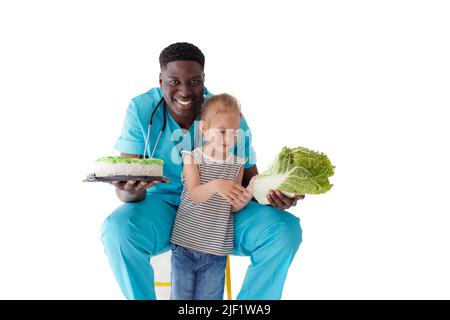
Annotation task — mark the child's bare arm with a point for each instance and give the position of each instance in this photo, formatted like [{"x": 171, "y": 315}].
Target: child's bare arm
[
  {"x": 198, "y": 192},
  {"x": 233, "y": 192}
]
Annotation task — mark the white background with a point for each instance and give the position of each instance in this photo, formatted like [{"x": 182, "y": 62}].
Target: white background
[{"x": 366, "y": 82}]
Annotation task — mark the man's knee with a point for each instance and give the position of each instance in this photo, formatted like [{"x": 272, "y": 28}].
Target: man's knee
[
  {"x": 115, "y": 226},
  {"x": 293, "y": 231},
  {"x": 285, "y": 230},
  {"x": 120, "y": 228}
]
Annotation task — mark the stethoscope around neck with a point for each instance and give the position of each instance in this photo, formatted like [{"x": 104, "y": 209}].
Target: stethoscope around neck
[{"x": 147, "y": 139}]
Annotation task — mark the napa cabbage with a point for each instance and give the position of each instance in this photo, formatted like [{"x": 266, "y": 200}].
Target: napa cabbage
[{"x": 295, "y": 171}]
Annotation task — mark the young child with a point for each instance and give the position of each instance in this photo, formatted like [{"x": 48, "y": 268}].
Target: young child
[{"x": 202, "y": 235}]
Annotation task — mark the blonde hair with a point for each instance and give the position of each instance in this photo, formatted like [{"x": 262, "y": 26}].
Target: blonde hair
[{"x": 219, "y": 104}]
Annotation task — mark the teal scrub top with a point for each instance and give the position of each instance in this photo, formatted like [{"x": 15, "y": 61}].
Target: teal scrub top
[{"x": 171, "y": 142}]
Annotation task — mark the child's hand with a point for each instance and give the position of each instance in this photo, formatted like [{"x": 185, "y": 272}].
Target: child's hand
[
  {"x": 234, "y": 193},
  {"x": 248, "y": 197}
]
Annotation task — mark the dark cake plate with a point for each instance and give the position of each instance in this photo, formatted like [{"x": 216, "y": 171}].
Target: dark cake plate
[{"x": 93, "y": 178}]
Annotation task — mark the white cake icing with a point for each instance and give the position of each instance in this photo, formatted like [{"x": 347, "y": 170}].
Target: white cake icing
[
  {"x": 119, "y": 166},
  {"x": 103, "y": 169}
]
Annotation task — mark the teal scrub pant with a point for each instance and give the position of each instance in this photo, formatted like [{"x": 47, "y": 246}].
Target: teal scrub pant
[{"x": 135, "y": 232}]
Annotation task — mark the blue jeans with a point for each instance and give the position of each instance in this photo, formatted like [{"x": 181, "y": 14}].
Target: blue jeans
[{"x": 196, "y": 275}]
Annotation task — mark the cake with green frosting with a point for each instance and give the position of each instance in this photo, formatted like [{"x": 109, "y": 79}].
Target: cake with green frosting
[{"x": 122, "y": 166}]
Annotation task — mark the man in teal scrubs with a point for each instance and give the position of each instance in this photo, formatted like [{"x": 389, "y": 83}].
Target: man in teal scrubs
[{"x": 141, "y": 227}]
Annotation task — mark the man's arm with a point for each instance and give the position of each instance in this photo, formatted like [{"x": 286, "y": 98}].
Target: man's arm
[
  {"x": 248, "y": 174},
  {"x": 246, "y": 197}
]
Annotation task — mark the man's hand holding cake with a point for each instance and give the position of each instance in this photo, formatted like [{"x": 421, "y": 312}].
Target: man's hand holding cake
[{"x": 133, "y": 191}]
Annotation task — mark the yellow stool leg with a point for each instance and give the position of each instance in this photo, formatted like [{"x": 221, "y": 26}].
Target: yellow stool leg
[
  {"x": 162, "y": 284},
  {"x": 228, "y": 278}
]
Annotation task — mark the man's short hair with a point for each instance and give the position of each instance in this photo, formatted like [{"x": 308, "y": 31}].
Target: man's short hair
[{"x": 181, "y": 51}]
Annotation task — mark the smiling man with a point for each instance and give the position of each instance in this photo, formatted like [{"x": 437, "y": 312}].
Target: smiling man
[
  {"x": 182, "y": 86},
  {"x": 141, "y": 227}
]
